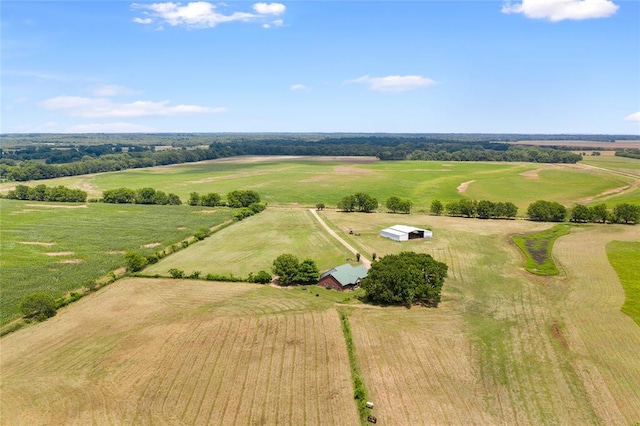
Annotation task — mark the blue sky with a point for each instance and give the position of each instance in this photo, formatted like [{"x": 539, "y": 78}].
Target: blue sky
[{"x": 535, "y": 66}]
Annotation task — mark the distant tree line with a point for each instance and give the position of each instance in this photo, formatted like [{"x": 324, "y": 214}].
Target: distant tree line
[
  {"x": 500, "y": 153},
  {"x": 41, "y": 192},
  {"x": 105, "y": 159}
]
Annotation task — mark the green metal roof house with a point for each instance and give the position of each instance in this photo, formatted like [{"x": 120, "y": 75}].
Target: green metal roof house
[{"x": 343, "y": 277}]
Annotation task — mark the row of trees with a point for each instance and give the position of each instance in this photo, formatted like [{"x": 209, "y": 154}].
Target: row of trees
[
  {"x": 139, "y": 196},
  {"x": 483, "y": 209},
  {"x": 550, "y": 211},
  {"x": 235, "y": 199},
  {"x": 512, "y": 153},
  {"x": 360, "y": 202},
  {"x": 622, "y": 213},
  {"x": 41, "y": 192},
  {"x": 291, "y": 271}
]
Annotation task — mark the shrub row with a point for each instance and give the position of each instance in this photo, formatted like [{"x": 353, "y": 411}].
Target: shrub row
[
  {"x": 483, "y": 209},
  {"x": 60, "y": 194},
  {"x": 139, "y": 196}
]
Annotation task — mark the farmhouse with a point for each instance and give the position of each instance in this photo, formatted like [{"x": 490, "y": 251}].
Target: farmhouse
[
  {"x": 404, "y": 233},
  {"x": 344, "y": 277}
]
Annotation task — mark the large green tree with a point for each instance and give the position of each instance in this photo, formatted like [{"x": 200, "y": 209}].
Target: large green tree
[
  {"x": 407, "y": 278},
  {"x": 38, "y": 305},
  {"x": 285, "y": 267}
]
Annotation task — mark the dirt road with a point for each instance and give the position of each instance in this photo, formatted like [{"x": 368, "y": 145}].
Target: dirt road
[{"x": 366, "y": 262}]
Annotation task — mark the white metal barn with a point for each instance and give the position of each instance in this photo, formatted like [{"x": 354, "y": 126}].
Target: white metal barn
[{"x": 404, "y": 233}]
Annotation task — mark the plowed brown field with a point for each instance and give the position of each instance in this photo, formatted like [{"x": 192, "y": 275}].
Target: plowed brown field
[{"x": 179, "y": 352}]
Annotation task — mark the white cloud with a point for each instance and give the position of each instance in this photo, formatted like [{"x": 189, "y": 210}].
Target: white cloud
[
  {"x": 100, "y": 107},
  {"x": 394, "y": 83},
  {"x": 144, "y": 21},
  {"x": 20, "y": 100},
  {"x": 202, "y": 14},
  {"x": 269, "y": 8},
  {"x": 558, "y": 10},
  {"x": 110, "y": 90},
  {"x": 109, "y": 128},
  {"x": 633, "y": 117},
  {"x": 295, "y": 87}
]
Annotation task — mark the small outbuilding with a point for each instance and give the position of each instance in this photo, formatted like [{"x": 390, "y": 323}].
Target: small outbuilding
[
  {"x": 344, "y": 277},
  {"x": 404, "y": 233}
]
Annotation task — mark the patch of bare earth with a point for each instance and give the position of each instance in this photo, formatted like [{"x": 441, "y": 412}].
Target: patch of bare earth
[
  {"x": 151, "y": 245},
  {"x": 463, "y": 186},
  {"x": 59, "y": 253},
  {"x": 531, "y": 174},
  {"x": 344, "y": 170},
  {"x": 37, "y": 243},
  {"x": 606, "y": 193},
  {"x": 70, "y": 261},
  {"x": 58, "y": 206}
]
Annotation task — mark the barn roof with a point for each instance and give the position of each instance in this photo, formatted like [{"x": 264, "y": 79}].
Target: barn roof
[
  {"x": 347, "y": 274},
  {"x": 403, "y": 229}
]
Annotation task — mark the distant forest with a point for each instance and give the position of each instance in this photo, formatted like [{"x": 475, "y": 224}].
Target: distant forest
[{"x": 33, "y": 157}]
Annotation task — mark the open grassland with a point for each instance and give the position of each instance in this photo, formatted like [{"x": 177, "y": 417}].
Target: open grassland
[
  {"x": 56, "y": 248},
  {"x": 151, "y": 352},
  {"x": 305, "y": 181},
  {"x": 253, "y": 244},
  {"x": 625, "y": 259}
]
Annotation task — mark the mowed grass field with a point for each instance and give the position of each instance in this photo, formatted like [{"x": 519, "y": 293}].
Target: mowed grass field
[
  {"x": 252, "y": 246},
  {"x": 149, "y": 352},
  {"x": 305, "y": 181},
  {"x": 58, "y": 247}
]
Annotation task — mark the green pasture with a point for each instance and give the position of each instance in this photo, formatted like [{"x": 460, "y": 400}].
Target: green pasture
[
  {"x": 253, "y": 244},
  {"x": 625, "y": 258},
  {"x": 307, "y": 181},
  {"x": 84, "y": 242},
  {"x": 626, "y": 166}
]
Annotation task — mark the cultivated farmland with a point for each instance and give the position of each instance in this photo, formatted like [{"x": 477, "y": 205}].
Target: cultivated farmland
[
  {"x": 57, "y": 248},
  {"x": 181, "y": 352}
]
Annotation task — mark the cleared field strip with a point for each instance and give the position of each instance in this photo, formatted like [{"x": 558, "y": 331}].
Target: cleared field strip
[{"x": 163, "y": 352}]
